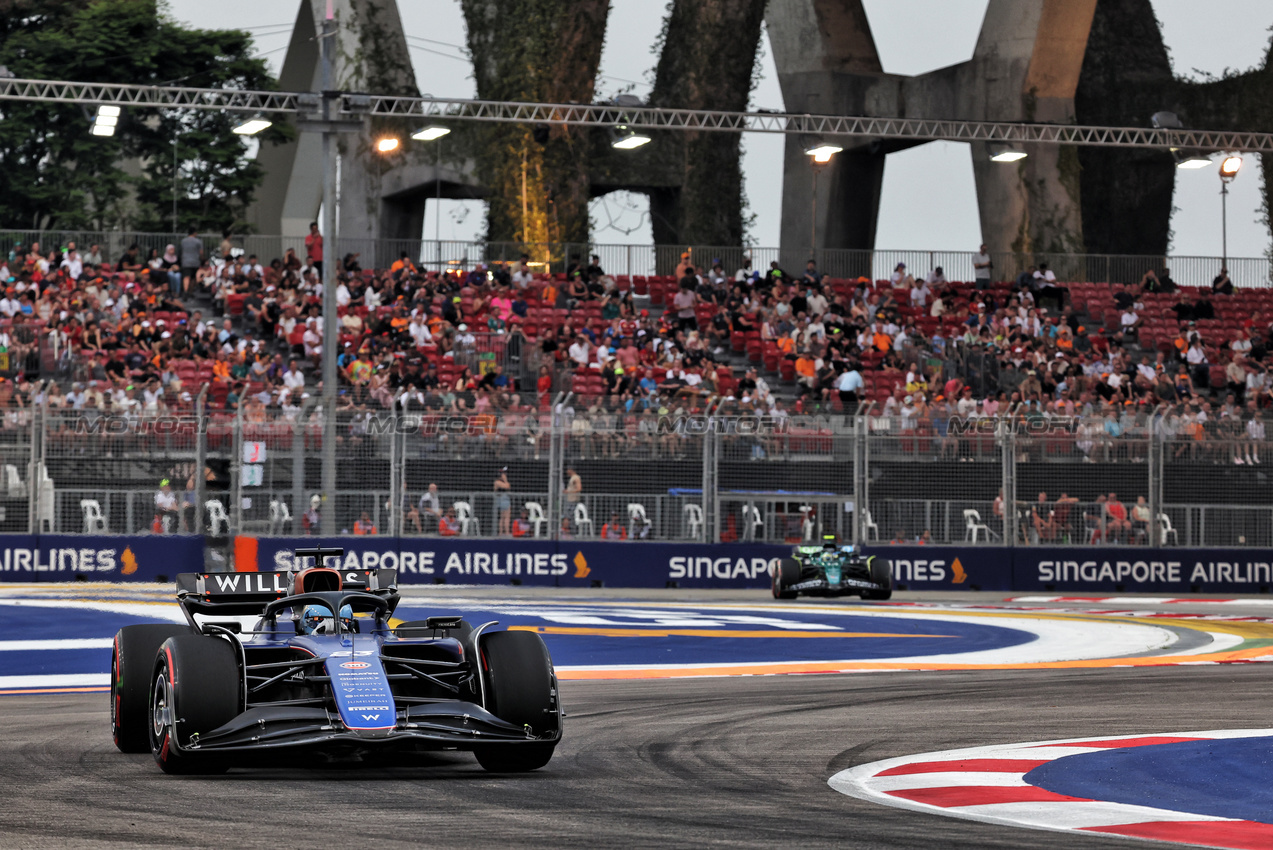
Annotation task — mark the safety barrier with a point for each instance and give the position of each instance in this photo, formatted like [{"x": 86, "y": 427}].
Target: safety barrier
[
  {"x": 1107, "y": 569},
  {"x": 573, "y": 563}
]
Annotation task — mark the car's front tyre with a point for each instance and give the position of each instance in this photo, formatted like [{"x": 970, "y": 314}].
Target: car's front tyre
[
  {"x": 194, "y": 690},
  {"x": 521, "y": 688},
  {"x": 786, "y": 574}
]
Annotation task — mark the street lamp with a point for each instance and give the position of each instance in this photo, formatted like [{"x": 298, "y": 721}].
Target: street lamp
[
  {"x": 253, "y": 125},
  {"x": 624, "y": 138},
  {"x": 105, "y": 121},
  {"x": 430, "y": 133},
  {"x": 1229, "y": 168},
  {"x": 821, "y": 153},
  {"x": 387, "y": 145},
  {"x": 433, "y": 133},
  {"x": 1007, "y": 155}
]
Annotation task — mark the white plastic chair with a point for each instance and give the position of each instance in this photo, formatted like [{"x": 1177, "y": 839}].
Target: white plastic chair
[
  {"x": 693, "y": 516},
  {"x": 217, "y": 517},
  {"x": 806, "y": 523},
  {"x": 638, "y": 523},
  {"x": 1164, "y": 524},
  {"x": 582, "y": 519},
  {"x": 752, "y": 520},
  {"x": 468, "y": 522},
  {"x": 12, "y": 483},
  {"x": 973, "y": 526},
  {"x": 280, "y": 516},
  {"x": 536, "y": 517},
  {"x": 870, "y": 530},
  {"x": 45, "y": 518},
  {"x": 94, "y": 521}
]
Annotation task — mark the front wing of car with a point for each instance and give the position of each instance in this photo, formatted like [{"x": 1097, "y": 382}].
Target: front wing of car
[{"x": 441, "y": 724}]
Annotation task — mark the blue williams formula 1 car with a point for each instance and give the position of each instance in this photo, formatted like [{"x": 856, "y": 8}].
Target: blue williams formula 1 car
[
  {"x": 312, "y": 675},
  {"x": 831, "y": 570}
]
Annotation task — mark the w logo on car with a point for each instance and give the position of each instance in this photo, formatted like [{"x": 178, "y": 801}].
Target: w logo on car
[
  {"x": 371, "y": 717},
  {"x": 355, "y": 665}
]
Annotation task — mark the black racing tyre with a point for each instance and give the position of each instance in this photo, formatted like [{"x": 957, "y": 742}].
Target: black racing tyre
[
  {"x": 521, "y": 689},
  {"x": 882, "y": 574},
  {"x": 132, "y": 662},
  {"x": 786, "y": 574},
  {"x": 195, "y": 688}
]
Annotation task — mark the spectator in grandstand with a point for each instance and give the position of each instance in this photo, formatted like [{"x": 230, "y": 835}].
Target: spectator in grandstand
[
  {"x": 521, "y": 525},
  {"x": 1222, "y": 284},
  {"x": 572, "y": 490},
  {"x": 448, "y": 525},
  {"x": 982, "y": 267},
  {"x": 314, "y": 248},
  {"x": 1117, "y": 525},
  {"x": 613, "y": 529},
  {"x": 1043, "y": 521},
  {"x": 503, "y": 503},
  {"x": 1140, "y": 520},
  {"x": 166, "y": 516},
  {"x": 192, "y": 257}
]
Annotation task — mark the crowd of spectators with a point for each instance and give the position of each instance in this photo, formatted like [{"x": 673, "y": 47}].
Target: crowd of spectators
[{"x": 143, "y": 331}]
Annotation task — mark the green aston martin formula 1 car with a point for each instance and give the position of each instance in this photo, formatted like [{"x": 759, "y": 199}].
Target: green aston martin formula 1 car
[{"x": 832, "y": 570}]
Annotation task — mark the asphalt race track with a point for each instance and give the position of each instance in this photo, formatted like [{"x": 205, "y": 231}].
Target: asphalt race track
[{"x": 679, "y": 762}]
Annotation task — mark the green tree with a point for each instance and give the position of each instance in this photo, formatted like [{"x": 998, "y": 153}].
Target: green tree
[{"x": 55, "y": 174}]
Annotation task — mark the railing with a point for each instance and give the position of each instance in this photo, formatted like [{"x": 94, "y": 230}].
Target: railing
[
  {"x": 663, "y": 259},
  {"x": 594, "y": 470}
]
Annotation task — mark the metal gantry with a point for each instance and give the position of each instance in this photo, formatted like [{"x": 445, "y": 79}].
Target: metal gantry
[{"x": 637, "y": 117}]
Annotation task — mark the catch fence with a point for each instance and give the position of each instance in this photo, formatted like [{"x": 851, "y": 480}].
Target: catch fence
[{"x": 599, "y": 468}]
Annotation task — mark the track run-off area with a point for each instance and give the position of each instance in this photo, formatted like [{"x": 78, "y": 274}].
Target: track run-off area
[{"x": 686, "y": 725}]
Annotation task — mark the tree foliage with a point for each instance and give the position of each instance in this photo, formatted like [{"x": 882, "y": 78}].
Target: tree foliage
[
  {"x": 54, "y": 173},
  {"x": 543, "y": 51}
]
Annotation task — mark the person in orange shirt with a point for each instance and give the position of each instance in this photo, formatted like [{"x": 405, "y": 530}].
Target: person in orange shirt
[
  {"x": 364, "y": 525},
  {"x": 448, "y": 525},
  {"x": 521, "y": 525},
  {"x": 614, "y": 530},
  {"x": 403, "y": 262},
  {"x": 786, "y": 344},
  {"x": 882, "y": 341},
  {"x": 549, "y": 294}
]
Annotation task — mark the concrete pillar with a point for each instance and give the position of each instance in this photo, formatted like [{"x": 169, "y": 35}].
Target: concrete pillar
[{"x": 1025, "y": 68}]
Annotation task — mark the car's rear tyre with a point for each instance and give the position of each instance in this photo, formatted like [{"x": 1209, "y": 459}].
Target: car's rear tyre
[
  {"x": 132, "y": 662},
  {"x": 195, "y": 689},
  {"x": 521, "y": 689},
  {"x": 786, "y": 574},
  {"x": 882, "y": 574}
]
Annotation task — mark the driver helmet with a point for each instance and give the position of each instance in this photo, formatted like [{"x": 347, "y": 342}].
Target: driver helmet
[
  {"x": 828, "y": 542},
  {"x": 317, "y": 620}
]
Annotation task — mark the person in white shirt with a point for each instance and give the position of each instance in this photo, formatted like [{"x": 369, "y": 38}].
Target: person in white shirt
[
  {"x": 1043, "y": 274},
  {"x": 419, "y": 330},
  {"x": 579, "y": 351},
  {"x": 293, "y": 378},
  {"x": 342, "y": 295},
  {"x": 371, "y": 298},
  {"x": 919, "y": 294},
  {"x": 817, "y": 303},
  {"x": 523, "y": 277},
  {"x": 10, "y": 306},
  {"x": 73, "y": 265}
]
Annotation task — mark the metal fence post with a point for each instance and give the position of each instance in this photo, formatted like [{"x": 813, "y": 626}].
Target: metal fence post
[
  {"x": 1008, "y": 451},
  {"x": 201, "y": 456},
  {"x": 554, "y": 466},
  {"x": 395, "y": 466},
  {"x": 35, "y": 470},
  {"x": 862, "y": 481},
  {"x": 236, "y": 475},
  {"x": 1155, "y": 471},
  {"x": 299, "y": 505}
]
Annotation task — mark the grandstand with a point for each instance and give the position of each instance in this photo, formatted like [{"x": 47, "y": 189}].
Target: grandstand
[{"x": 902, "y": 385}]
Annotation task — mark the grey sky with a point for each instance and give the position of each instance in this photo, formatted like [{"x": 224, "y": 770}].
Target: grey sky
[{"x": 928, "y": 201}]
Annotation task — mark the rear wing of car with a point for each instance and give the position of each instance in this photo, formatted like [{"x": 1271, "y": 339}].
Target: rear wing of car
[{"x": 248, "y": 593}]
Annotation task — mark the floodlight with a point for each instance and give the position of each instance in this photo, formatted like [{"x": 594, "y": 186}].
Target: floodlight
[
  {"x": 107, "y": 112},
  {"x": 105, "y": 121},
  {"x": 823, "y": 152},
  {"x": 1197, "y": 161},
  {"x": 252, "y": 126},
  {"x": 625, "y": 138},
  {"x": 1008, "y": 155},
  {"x": 387, "y": 145},
  {"x": 102, "y": 130},
  {"x": 1229, "y": 167},
  {"x": 430, "y": 133}
]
